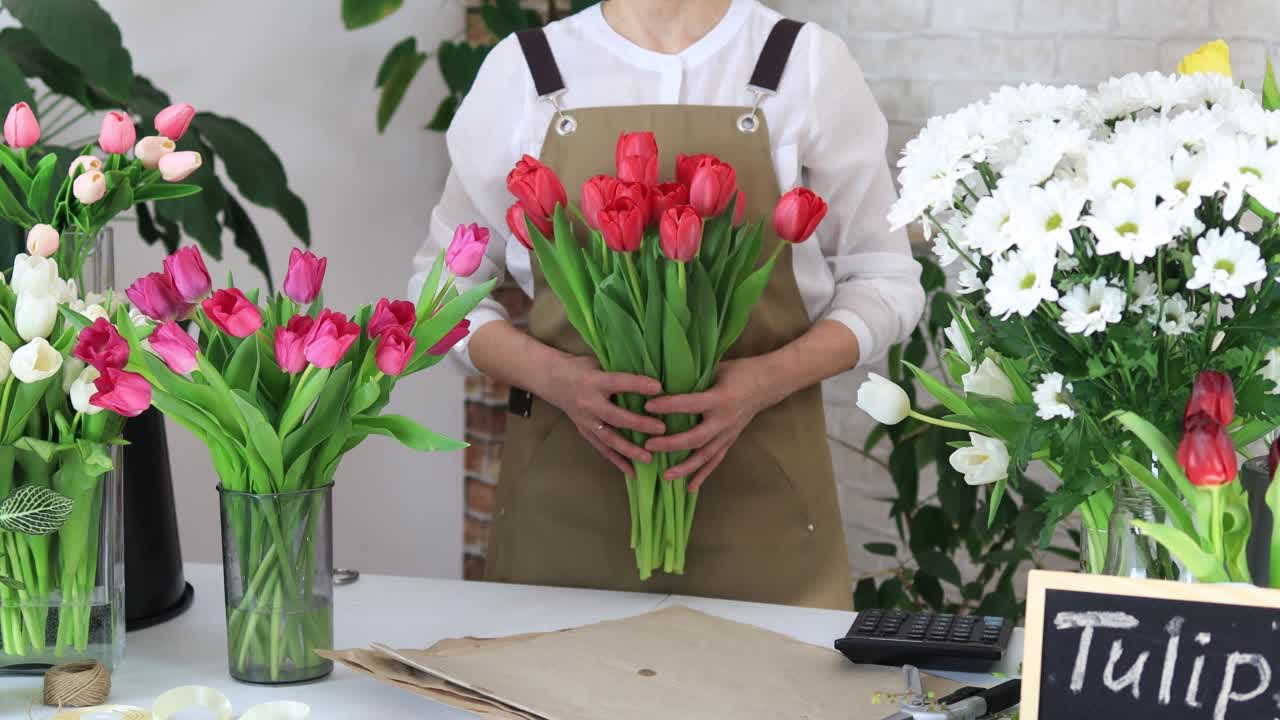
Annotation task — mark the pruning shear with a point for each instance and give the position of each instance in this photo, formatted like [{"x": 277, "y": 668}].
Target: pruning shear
[{"x": 969, "y": 703}]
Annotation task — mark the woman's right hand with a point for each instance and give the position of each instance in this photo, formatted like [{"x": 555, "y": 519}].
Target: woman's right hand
[{"x": 582, "y": 391}]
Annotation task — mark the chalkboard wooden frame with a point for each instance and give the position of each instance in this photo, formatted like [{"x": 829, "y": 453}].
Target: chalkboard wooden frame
[{"x": 1041, "y": 582}]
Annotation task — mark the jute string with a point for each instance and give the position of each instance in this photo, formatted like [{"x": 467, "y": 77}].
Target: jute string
[{"x": 77, "y": 684}]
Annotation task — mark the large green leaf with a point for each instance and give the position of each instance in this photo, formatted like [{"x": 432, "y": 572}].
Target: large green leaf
[
  {"x": 1203, "y": 565},
  {"x": 34, "y": 510},
  {"x": 939, "y": 565},
  {"x": 741, "y": 303},
  {"x": 398, "y": 70},
  {"x": 443, "y": 116},
  {"x": 1163, "y": 493},
  {"x": 84, "y": 35},
  {"x": 679, "y": 374},
  {"x": 13, "y": 84},
  {"x": 407, "y": 431},
  {"x": 157, "y": 229},
  {"x": 164, "y": 191},
  {"x": 40, "y": 195},
  {"x": 460, "y": 63},
  {"x": 504, "y": 17},
  {"x": 362, "y": 13},
  {"x": 1167, "y": 456},
  {"x": 621, "y": 335}
]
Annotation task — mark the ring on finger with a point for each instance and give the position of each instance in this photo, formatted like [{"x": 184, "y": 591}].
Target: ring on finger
[{"x": 600, "y": 427}]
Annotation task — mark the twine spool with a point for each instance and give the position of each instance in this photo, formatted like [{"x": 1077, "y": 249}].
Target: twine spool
[{"x": 77, "y": 684}]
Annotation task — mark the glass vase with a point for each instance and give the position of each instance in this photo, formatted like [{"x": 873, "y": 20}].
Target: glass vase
[
  {"x": 278, "y": 572},
  {"x": 1130, "y": 551},
  {"x": 62, "y": 597},
  {"x": 90, "y": 259}
]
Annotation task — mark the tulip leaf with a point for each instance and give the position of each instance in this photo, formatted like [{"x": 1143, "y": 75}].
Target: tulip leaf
[
  {"x": 706, "y": 320},
  {"x": 395, "y": 75},
  {"x": 1203, "y": 565},
  {"x": 262, "y": 438},
  {"x": 1165, "y": 495},
  {"x": 164, "y": 191},
  {"x": 12, "y": 209},
  {"x": 679, "y": 373},
  {"x": 997, "y": 494},
  {"x": 623, "y": 338},
  {"x": 432, "y": 330},
  {"x": 1270, "y": 90},
  {"x": 407, "y": 431},
  {"x": 654, "y": 314},
  {"x": 84, "y": 35},
  {"x": 25, "y": 399},
  {"x": 242, "y": 371},
  {"x": 40, "y": 193},
  {"x": 362, "y": 13},
  {"x": 427, "y": 296},
  {"x": 1251, "y": 432},
  {"x": 364, "y": 397},
  {"x": 323, "y": 419},
  {"x": 575, "y": 272},
  {"x": 1167, "y": 456},
  {"x": 555, "y": 275},
  {"x": 945, "y": 395},
  {"x": 13, "y": 84},
  {"x": 741, "y": 304}
]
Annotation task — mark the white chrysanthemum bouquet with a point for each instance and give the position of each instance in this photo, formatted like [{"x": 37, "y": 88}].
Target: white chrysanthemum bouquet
[{"x": 1111, "y": 244}]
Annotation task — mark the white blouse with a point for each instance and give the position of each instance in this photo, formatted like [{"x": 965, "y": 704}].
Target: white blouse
[{"x": 825, "y": 128}]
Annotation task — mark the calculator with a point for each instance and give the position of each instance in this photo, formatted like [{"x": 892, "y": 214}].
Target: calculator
[{"x": 966, "y": 643}]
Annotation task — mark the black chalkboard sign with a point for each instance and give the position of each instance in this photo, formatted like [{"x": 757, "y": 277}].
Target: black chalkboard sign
[{"x": 1102, "y": 648}]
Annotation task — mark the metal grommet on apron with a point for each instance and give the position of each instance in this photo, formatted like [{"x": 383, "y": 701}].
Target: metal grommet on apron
[{"x": 768, "y": 527}]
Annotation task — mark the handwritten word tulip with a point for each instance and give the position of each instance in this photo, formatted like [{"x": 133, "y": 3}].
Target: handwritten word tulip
[
  {"x": 155, "y": 296},
  {"x": 151, "y": 149},
  {"x": 42, "y": 240},
  {"x": 713, "y": 185},
  {"x": 622, "y": 224},
  {"x": 35, "y": 361},
  {"x": 797, "y": 214},
  {"x": 680, "y": 233},
  {"x": 118, "y": 134},
  {"x": 89, "y": 187},
  {"x": 392, "y": 313},
  {"x": 518, "y": 223},
  {"x": 232, "y": 312},
  {"x": 329, "y": 339},
  {"x": 636, "y": 158},
  {"x": 466, "y": 252},
  {"x": 177, "y": 348},
  {"x": 290, "y": 343},
  {"x": 35, "y": 315},
  {"x": 1214, "y": 395},
  {"x": 536, "y": 187},
  {"x": 305, "y": 277},
  {"x": 82, "y": 390},
  {"x": 394, "y": 351},
  {"x": 124, "y": 393},
  {"x": 173, "y": 121},
  {"x": 21, "y": 130},
  {"x": 190, "y": 276},
  {"x": 667, "y": 196},
  {"x": 178, "y": 166},
  {"x": 453, "y": 337},
  {"x": 1206, "y": 452}
]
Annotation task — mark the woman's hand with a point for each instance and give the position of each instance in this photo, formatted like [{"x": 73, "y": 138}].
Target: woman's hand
[
  {"x": 582, "y": 391},
  {"x": 726, "y": 410}
]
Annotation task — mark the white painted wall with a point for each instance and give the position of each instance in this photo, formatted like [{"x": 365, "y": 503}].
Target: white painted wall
[{"x": 293, "y": 73}]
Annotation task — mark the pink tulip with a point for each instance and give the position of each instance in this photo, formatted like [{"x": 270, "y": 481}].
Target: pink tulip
[
  {"x": 157, "y": 297},
  {"x": 305, "y": 276},
  {"x": 173, "y": 121},
  {"x": 187, "y": 270},
  {"x": 178, "y": 166},
  {"x": 21, "y": 130},
  {"x": 392, "y": 313},
  {"x": 232, "y": 312},
  {"x": 467, "y": 249},
  {"x": 453, "y": 337},
  {"x": 84, "y": 164},
  {"x": 290, "y": 344},
  {"x": 394, "y": 351},
  {"x": 151, "y": 149},
  {"x": 117, "y": 135},
  {"x": 125, "y": 393},
  {"x": 329, "y": 339},
  {"x": 101, "y": 346},
  {"x": 42, "y": 240},
  {"x": 89, "y": 187},
  {"x": 175, "y": 347}
]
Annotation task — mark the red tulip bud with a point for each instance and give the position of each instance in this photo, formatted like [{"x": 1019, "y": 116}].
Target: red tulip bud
[
  {"x": 394, "y": 351},
  {"x": 713, "y": 185},
  {"x": 622, "y": 224},
  {"x": 516, "y": 219},
  {"x": 1212, "y": 394},
  {"x": 101, "y": 346},
  {"x": 797, "y": 214},
  {"x": 667, "y": 196},
  {"x": 1207, "y": 454},
  {"x": 536, "y": 187},
  {"x": 636, "y": 158},
  {"x": 232, "y": 312},
  {"x": 597, "y": 193},
  {"x": 680, "y": 233}
]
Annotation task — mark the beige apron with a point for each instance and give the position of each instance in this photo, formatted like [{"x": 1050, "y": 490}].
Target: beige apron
[{"x": 768, "y": 526}]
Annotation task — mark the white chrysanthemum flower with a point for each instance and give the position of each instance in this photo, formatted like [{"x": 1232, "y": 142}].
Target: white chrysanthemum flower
[
  {"x": 1176, "y": 318},
  {"x": 1027, "y": 102},
  {"x": 986, "y": 461},
  {"x": 1049, "y": 399},
  {"x": 1047, "y": 143},
  {"x": 1019, "y": 282},
  {"x": 1247, "y": 166},
  {"x": 1271, "y": 371},
  {"x": 1086, "y": 311},
  {"x": 989, "y": 229},
  {"x": 1123, "y": 96},
  {"x": 967, "y": 280},
  {"x": 1044, "y": 219},
  {"x": 1227, "y": 263},
  {"x": 1146, "y": 292},
  {"x": 1139, "y": 162},
  {"x": 1129, "y": 224},
  {"x": 1226, "y": 311}
]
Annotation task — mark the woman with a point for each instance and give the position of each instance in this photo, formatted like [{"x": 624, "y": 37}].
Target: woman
[{"x": 779, "y": 101}]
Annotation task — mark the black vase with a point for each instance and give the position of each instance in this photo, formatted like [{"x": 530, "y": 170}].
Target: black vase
[{"x": 155, "y": 589}]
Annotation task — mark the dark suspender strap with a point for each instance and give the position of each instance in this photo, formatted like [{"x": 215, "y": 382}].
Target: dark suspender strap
[
  {"x": 542, "y": 64},
  {"x": 773, "y": 58}
]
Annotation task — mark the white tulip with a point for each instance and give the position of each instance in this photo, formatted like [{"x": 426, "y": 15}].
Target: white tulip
[
  {"x": 35, "y": 315},
  {"x": 67, "y": 291},
  {"x": 984, "y": 462},
  {"x": 138, "y": 319},
  {"x": 6, "y": 355},
  {"x": 959, "y": 341},
  {"x": 34, "y": 275},
  {"x": 883, "y": 400},
  {"x": 89, "y": 187},
  {"x": 86, "y": 163},
  {"x": 988, "y": 379},
  {"x": 35, "y": 361},
  {"x": 71, "y": 368},
  {"x": 82, "y": 389},
  {"x": 42, "y": 240},
  {"x": 150, "y": 149},
  {"x": 93, "y": 312}
]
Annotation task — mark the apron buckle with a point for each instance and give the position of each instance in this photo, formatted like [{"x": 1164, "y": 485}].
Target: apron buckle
[
  {"x": 565, "y": 123},
  {"x": 749, "y": 121}
]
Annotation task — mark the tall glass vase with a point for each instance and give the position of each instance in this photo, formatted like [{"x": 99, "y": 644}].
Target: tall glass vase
[
  {"x": 1130, "y": 551},
  {"x": 89, "y": 259},
  {"x": 278, "y": 572}
]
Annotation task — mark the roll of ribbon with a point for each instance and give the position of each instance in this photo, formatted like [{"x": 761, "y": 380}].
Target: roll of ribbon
[
  {"x": 105, "y": 712},
  {"x": 189, "y": 697}
]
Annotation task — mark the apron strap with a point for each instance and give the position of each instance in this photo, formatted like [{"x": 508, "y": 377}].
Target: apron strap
[
  {"x": 773, "y": 58},
  {"x": 542, "y": 63}
]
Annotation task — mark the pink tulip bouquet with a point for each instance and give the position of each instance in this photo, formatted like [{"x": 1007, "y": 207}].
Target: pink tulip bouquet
[
  {"x": 62, "y": 219},
  {"x": 280, "y": 388}
]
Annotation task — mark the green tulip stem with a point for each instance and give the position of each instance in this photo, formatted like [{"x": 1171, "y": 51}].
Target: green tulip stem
[
  {"x": 634, "y": 279},
  {"x": 1216, "y": 526},
  {"x": 940, "y": 423},
  {"x": 680, "y": 275}
]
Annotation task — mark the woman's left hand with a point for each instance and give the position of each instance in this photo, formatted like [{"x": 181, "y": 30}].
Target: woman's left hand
[{"x": 725, "y": 409}]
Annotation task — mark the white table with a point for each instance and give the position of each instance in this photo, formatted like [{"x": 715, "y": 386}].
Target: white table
[{"x": 401, "y": 612}]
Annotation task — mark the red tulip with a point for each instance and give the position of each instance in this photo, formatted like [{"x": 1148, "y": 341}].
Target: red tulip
[
  {"x": 643, "y": 197},
  {"x": 175, "y": 347},
  {"x": 125, "y": 393},
  {"x": 290, "y": 344},
  {"x": 687, "y": 164},
  {"x": 190, "y": 276},
  {"x": 1207, "y": 454},
  {"x": 466, "y": 252},
  {"x": 117, "y": 135},
  {"x": 667, "y": 196},
  {"x": 101, "y": 346},
  {"x": 21, "y": 130},
  {"x": 740, "y": 209},
  {"x": 536, "y": 187},
  {"x": 797, "y": 214},
  {"x": 388, "y": 314},
  {"x": 516, "y": 222},
  {"x": 394, "y": 351},
  {"x": 636, "y": 158},
  {"x": 680, "y": 233},
  {"x": 597, "y": 193},
  {"x": 453, "y": 337},
  {"x": 1214, "y": 395},
  {"x": 232, "y": 312},
  {"x": 305, "y": 276},
  {"x": 157, "y": 297},
  {"x": 622, "y": 224},
  {"x": 329, "y": 339},
  {"x": 173, "y": 121},
  {"x": 713, "y": 186}
]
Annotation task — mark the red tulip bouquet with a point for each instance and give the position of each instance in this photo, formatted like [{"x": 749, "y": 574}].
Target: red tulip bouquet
[
  {"x": 662, "y": 287},
  {"x": 280, "y": 389}
]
